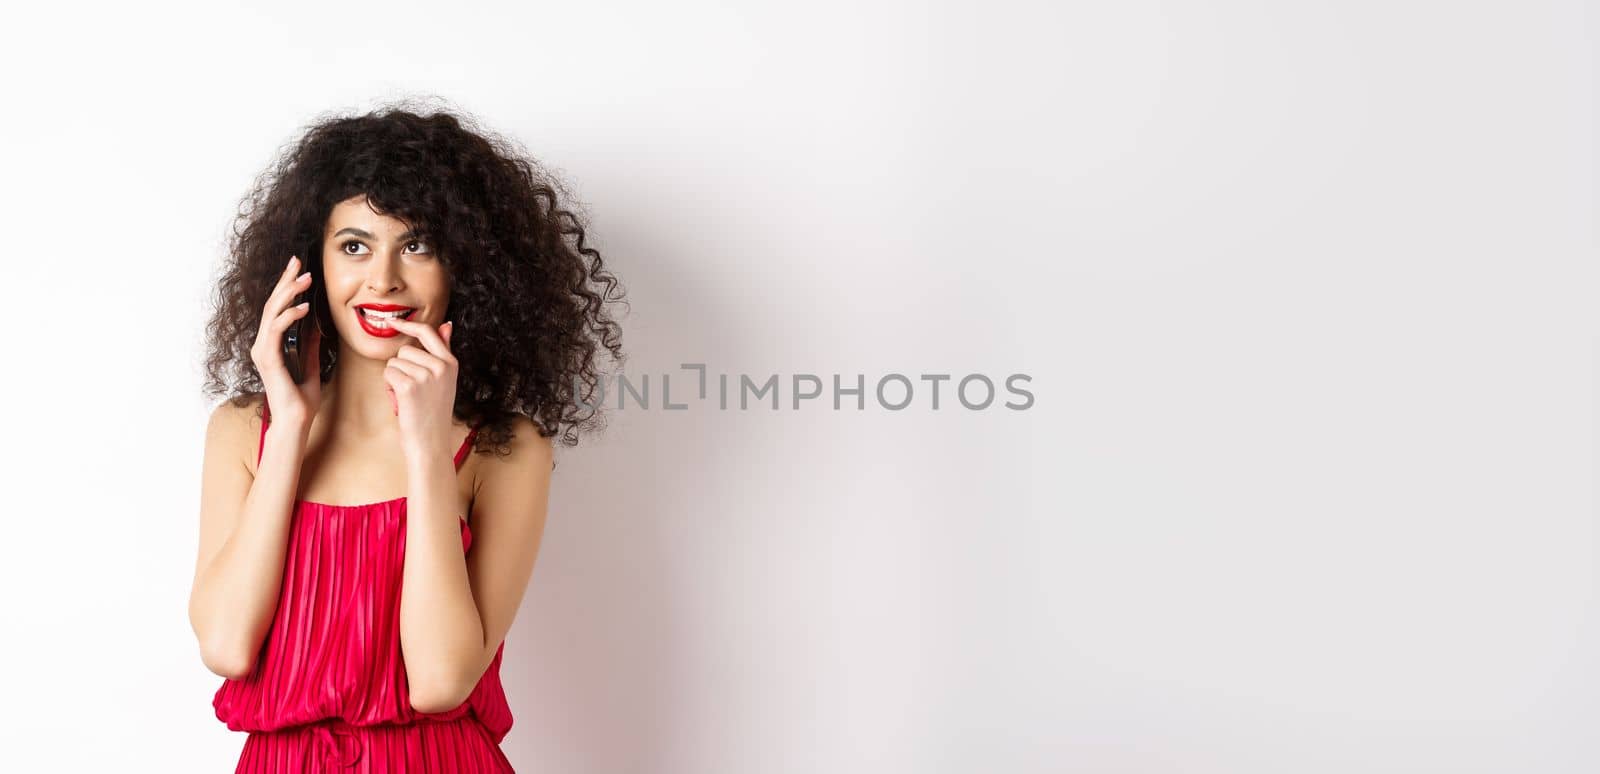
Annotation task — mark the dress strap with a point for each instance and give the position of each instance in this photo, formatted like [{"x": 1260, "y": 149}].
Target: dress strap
[
  {"x": 466, "y": 446},
  {"x": 266, "y": 415}
]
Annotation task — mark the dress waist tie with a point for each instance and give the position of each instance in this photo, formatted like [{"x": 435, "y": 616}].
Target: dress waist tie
[
  {"x": 337, "y": 744},
  {"x": 333, "y": 744}
]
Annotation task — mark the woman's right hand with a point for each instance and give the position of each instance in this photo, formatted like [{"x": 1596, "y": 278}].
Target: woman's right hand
[{"x": 289, "y": 401}]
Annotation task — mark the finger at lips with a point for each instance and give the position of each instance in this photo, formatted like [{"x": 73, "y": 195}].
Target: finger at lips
[{"x": 426, "y": 334}]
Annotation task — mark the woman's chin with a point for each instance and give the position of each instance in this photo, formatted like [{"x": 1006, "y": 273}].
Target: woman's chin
[{"x": 373, "y": 348}]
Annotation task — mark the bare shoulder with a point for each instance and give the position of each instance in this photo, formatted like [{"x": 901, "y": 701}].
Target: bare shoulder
[
  {"x": 527, "y": 462},
  {"x": 528, "y": 450},
  {"x": 233, "y": 430}
]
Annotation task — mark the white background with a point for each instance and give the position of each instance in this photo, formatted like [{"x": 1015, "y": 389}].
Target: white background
[{"x": 1305, "y": 291}]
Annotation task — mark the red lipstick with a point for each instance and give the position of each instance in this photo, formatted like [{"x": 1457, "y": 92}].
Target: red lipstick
[{"x": 384, "y": 332}]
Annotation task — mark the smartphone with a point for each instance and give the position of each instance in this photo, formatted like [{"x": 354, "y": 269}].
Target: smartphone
[{"x": 298, "y": 336}]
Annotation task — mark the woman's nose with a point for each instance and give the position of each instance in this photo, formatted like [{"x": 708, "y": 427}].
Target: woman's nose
[{"x": 383, "y": 278}]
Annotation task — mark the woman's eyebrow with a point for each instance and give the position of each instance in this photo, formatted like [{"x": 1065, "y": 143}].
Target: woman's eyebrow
[{"x": 364, "y": 235}]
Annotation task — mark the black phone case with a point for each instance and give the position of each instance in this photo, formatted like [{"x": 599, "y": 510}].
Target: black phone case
[{"x": 298, "y": 335}]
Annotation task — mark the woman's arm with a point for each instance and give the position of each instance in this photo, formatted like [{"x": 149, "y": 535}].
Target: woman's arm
[
  {"x": 455, "y": 608},
  {"x": 244, "y": 532}
]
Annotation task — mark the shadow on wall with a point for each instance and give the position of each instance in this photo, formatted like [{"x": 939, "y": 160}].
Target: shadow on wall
[{"x": 594, "y": 667}]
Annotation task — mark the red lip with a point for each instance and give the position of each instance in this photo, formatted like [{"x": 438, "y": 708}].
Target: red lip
[{"x": 382, "y": 333}]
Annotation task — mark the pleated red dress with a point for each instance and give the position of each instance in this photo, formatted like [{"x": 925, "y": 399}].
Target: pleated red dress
[{"x": 329, "y": 691}]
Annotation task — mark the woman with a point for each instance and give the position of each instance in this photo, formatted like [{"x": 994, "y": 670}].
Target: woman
[{"x": 358, "y": 566}]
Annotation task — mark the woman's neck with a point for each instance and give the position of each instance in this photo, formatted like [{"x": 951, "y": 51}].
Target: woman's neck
[{"x": 357, "y": 396}]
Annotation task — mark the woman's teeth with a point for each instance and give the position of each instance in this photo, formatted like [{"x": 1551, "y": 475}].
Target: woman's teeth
[{"x": 380, "y": 319}]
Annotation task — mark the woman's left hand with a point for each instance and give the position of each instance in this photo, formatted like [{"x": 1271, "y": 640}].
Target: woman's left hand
[{"x": 422, "y": 386}]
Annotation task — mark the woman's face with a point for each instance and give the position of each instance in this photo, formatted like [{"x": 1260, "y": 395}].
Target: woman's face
[{"x": 373, "y": 262}]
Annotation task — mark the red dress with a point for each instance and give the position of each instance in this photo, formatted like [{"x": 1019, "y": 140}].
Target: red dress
[{"x": 329, "y": 691}]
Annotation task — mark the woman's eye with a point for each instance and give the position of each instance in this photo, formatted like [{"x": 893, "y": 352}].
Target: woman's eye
[{"x": 422, "y": 247}]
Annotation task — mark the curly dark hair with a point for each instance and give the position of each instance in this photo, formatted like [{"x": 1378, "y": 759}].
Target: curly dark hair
[{"x": 528, "y": 296}]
